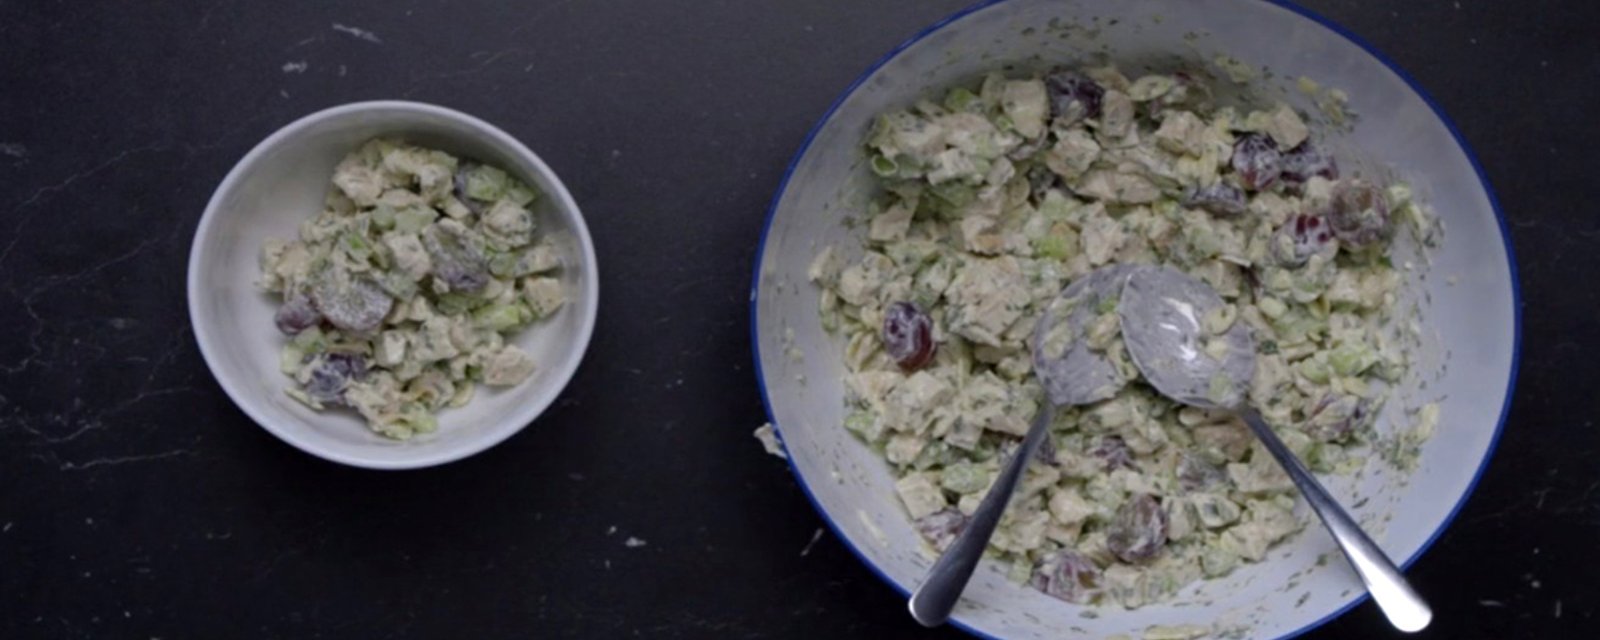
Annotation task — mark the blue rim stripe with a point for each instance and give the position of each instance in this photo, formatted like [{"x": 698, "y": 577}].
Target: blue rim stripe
[{"x": 1472, "y": 158}]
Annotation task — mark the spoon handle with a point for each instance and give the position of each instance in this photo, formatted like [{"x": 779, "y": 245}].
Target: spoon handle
[
  {"x": 1404, "y": 608},
  {"x": 932, "y": 602}
]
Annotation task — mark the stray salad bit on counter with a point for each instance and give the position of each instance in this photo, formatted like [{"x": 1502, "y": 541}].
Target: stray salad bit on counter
[
  {"x": 996, "y": 197},
  {"x": 399, "y": 296}
]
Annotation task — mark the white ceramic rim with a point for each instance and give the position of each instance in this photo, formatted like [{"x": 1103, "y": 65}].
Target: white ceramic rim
[
  {"x": 1483, "y": 180},
  {"x": 525, "y": 415}
]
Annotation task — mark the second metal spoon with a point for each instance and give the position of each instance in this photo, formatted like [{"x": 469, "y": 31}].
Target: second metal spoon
[{"x": 1174, "y": 332}]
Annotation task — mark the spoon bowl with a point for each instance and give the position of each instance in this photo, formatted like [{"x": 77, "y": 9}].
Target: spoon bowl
[
  {"x": 1071, "y": 372},
  {"x": 1189, "y": 344}
]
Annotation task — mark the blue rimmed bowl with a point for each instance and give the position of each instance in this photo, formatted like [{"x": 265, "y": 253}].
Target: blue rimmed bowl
[{"x": 1468, "y": 298}]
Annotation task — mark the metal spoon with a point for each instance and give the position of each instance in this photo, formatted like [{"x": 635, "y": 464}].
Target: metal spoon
[
  {"x": 1171, "y": 333},
  {"x": 1072, "y": 374}
]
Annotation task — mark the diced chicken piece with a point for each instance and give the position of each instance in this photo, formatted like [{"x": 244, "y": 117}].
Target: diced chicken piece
[
  {"x": 920, "y": 495},
  {"x": 1282, "y": 124},
  {"x": 1183, "y": 133},
  {"x": 360, "y": 184},
  {"x": 1116, "y": 115},
  {"x": 1025, "y": 102},
  {"x": 1118, "y": 187},
  {"x": 892, "y": 224},
  {"x": 1072, "y": 154},
  {"x": 508, "y": 367},
  {"x": 543, "y": 296},
  {"x": 1102, "y": 237},
  {"x": 410, "y": 257},
  {"x": 988, "y": 296}
]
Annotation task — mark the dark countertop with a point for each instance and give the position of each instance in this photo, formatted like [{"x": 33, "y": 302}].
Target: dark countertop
[{"x": 136, "y": 501}]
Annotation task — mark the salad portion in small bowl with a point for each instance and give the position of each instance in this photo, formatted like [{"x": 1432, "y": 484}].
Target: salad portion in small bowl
[
  {"x": 392, "y": 285},
  {"x": 400, "y": 296}
]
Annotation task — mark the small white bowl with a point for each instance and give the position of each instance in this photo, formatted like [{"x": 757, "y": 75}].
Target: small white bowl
[
  {"x": 1470, "y": 304},
  {"x": 280, "y": 183}
]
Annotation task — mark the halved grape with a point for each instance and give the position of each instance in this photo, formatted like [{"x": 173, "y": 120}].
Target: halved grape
[
  {"x": 296, "y": 314},
  {"x": 1067, "y": 575},
  {"x": 1113, "y": 452},
  {"x": 908, "y": 335},
  {"x": 1359, "y": 214},
  {"x": 350, "y": 302},
  {"x": 1257, "y": 161},
  {"x": 1073, "y": 96},
  {"x": 1303, "y": 236},
  {"x": 332, "y": 374},
  {"x": 1139, "y": 530},
  {"x": 1306, "y": 161},
  {"x": 941, "y": 528}
]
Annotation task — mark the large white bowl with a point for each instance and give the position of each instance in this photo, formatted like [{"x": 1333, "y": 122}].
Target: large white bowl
[
  {"x": 280, "y": 183},
  {"x": 1476, "y": 318}
]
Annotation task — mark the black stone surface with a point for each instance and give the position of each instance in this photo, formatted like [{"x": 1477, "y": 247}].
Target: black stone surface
[{"x": 137, "y": 502}]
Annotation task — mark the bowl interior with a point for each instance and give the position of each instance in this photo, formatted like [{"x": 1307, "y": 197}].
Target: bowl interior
[
  {"x": 1468, "y": 300},
  {"x": 281, "y": 183}
]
